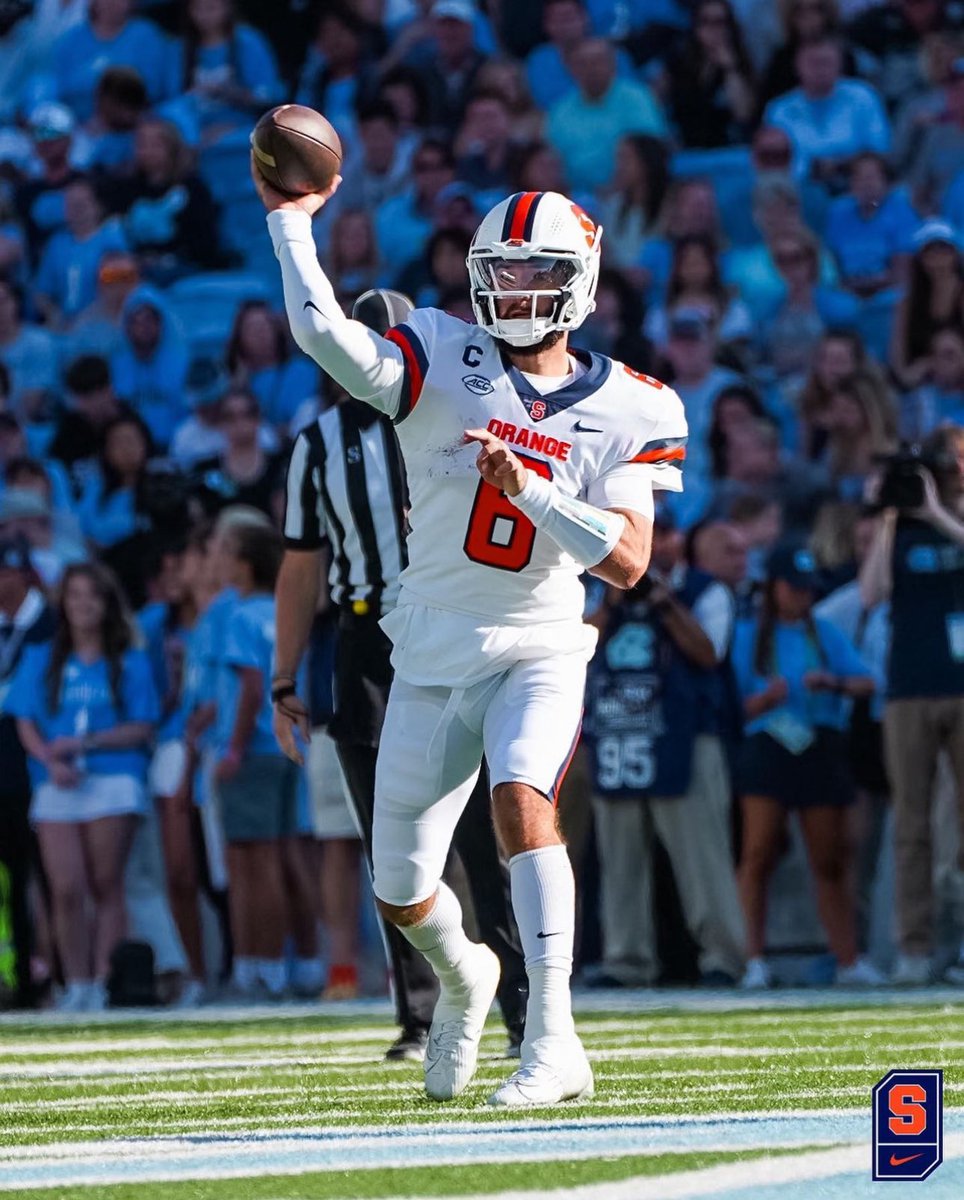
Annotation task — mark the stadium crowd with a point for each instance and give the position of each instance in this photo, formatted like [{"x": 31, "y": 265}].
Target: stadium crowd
[{"x": 781, "y": 187}]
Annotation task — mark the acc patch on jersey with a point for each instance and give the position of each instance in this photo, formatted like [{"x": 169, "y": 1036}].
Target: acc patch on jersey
[
  {"x": 478, "y": 384},
  {"x": 908, "y": 1125}
]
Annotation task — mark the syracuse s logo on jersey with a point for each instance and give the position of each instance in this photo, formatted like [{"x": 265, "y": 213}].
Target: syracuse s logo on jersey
[
  {"x": 537, "y": 410},
  {"x": 478, "y": 384}
]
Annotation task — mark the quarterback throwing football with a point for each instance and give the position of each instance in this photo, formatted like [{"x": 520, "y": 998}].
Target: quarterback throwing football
[{"x": 528, "y": 463}]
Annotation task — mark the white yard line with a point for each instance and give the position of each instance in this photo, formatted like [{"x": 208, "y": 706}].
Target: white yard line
[
  {"x": 673, "y": 1001},
  {"x": 137, "y": 1065},
  {"x": 641, "y": 1030},
  {"x": 291, "y": 1108},
  {"x": 193, "y": 1096},
  {"x": 741, "y": 1179}
]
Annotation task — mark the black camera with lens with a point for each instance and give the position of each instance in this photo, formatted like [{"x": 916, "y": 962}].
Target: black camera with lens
[{"x": 902, "y": 486}]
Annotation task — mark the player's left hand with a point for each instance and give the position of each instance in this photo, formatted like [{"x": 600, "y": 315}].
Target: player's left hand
[{"x": 496, "y": 462}]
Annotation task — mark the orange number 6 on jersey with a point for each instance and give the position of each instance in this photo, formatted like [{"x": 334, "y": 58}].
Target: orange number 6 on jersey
[
  {"x": 909, "y": 1115},
  {"x": 490, "y": 505}
]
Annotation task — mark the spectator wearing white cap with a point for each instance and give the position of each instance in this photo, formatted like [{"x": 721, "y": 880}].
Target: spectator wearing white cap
[
  {"x": 26, "y": 513},
  {"x": 40, "y": 201},
  {"x": 450, "y": 73},
  {"x": 933, "y": 299}
]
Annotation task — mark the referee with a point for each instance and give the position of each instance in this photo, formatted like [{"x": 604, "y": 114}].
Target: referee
[{"x": 346, "y": 482}]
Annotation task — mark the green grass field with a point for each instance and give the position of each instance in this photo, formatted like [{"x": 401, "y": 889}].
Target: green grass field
[{"x": 299, "y": 1104}]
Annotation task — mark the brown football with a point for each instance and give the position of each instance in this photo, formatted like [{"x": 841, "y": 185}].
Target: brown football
[{"x": 296, "y": 149}]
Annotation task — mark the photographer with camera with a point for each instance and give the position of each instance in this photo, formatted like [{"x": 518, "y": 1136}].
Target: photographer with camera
[
  {"x": 917, "y": 560},
  {"x": 654, "y": 709}
]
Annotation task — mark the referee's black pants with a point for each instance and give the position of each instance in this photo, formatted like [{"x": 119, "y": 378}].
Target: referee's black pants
[{"x": 363, "y": 676}]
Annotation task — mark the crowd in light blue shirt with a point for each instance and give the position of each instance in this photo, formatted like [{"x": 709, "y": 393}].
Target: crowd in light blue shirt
[
  {"x": 85, "y": 704},
  {"x": 794, "y": 654},
  {"x": 249, "y": 638}
]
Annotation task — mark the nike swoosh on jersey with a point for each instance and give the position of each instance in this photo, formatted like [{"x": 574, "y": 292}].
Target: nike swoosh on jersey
[
  {"x": 540, "y": 934},
  {"x": 899, "y": 1162},
  {"x": 312, "y": 304},
  {"x": 578, "y": 427}
]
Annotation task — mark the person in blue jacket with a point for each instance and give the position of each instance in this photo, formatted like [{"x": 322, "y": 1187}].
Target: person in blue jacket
[
  {"x": 796, "y": 674},
  {"x": 86, "y": 710},
  {"x": 150, "y": 368}
]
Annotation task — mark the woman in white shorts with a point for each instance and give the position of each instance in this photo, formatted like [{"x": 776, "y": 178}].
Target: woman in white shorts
[{"x": 86, "y": 710}]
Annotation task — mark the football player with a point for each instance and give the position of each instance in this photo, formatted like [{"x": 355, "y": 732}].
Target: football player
[{"x": 528, "y": 463}]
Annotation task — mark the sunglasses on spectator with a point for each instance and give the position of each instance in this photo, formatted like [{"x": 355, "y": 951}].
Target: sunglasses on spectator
[{"x": 238, "y": 414}]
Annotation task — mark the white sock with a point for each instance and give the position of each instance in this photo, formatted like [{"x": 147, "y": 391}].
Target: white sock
[
  {"x": 244, "y": 972},
  {"x": 441, "y": 938},
  {"x": 544, "y": 903},
  {"x": 273, "y": 974}
]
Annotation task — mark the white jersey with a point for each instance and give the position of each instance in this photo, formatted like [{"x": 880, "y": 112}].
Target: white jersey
[
  {"x": 483, "y": 589},
  {"x": 608, "y": 437}
]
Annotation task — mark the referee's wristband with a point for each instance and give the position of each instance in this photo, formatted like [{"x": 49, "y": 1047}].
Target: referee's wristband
[{"x": 281, "y": 691}]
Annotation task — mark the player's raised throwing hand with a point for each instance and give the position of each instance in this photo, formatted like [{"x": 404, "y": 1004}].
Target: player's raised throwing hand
[
  {"x": 273, "y": 199},
  {"x": 496, "y": 462}
]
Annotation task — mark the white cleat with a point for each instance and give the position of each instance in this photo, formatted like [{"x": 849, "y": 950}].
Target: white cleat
[
  {"x": 555, "y": 1072},
  {"x": 453, "y": 1040}
]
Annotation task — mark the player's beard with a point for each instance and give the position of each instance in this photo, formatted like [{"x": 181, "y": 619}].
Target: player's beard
[{"x": 552, "y": 338}]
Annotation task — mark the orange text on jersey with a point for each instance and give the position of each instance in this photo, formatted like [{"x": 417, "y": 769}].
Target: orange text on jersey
[{"x": 521, "y": 436}]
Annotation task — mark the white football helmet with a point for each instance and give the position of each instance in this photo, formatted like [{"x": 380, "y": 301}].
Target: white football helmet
[{"x": 530, "y": 246}]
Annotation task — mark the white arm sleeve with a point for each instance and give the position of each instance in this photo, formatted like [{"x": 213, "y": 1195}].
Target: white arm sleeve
[
  {"x": 628, "y": 486},
  {"x": 587, "y": 533},
  {"x": 367, "y": 366}
]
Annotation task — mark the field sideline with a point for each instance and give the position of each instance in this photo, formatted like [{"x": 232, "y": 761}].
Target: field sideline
[{"x": 696, "y": 1095}]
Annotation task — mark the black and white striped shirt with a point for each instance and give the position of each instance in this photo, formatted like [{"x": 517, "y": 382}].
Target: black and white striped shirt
[{"x": 346, "y": 484}]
